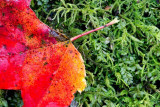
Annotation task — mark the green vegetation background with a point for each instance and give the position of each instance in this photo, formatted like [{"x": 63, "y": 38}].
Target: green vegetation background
[{"x": 122, "y": 61}]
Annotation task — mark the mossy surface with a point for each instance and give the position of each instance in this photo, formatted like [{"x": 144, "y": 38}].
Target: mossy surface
[{"x": 122, "y": 61}]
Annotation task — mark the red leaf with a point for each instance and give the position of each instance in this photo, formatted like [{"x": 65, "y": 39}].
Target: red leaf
[
  {"x": 47, "y": 72},
  {"x": 20, "y": 29},
  {"x": 55, "y": 72},
  {"x": 18, "y": 22},
  {"x": 10, "y": 63}
]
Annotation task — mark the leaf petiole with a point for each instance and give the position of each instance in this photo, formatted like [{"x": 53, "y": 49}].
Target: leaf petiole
[{"x": 86, "y": 33}]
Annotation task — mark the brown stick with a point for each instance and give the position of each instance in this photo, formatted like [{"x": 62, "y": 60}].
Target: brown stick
[{"x": 86, "y": 33}]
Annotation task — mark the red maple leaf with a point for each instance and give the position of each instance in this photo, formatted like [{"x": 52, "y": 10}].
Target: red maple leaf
[
  {"x": 32, "y": 58},
  {"x": 47, "y": 72}
]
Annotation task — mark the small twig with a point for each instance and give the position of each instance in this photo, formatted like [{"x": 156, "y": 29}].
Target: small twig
[{"x": 86, "y": 33}]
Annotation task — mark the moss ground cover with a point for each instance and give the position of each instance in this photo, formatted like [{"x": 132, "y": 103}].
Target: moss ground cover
[{"x": 122, "y": 61}]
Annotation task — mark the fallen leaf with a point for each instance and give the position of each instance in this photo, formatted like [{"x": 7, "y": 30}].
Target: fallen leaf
[
  {"x": 55, "y": 73},
  {"x": 32, "y": 59},
  {"x": 11, "y": 60}
]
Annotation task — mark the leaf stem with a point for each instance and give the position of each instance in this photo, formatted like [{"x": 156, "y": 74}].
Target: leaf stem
[{"x": 86, "y": 33}]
